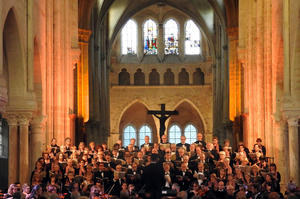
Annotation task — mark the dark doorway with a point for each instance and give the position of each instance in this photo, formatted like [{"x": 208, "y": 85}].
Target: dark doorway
[{"x": 3, "y": 153}]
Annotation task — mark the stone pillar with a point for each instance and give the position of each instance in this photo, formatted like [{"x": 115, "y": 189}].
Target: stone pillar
[
  {"x": 161, "y": 45},
  {"x": 37, "y": 139},
  {"x": 13, "y": 148},
  {"x": 294, "y": 150},
  {"x": 23, "y": 120}
]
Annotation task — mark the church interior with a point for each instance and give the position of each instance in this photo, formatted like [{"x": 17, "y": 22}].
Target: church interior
[{"x": 90, "y": 70}]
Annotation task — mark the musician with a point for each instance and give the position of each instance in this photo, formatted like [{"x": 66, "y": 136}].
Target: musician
[
  {"x": 275, "y": 176},
  {"x": 116, "y": 154},
  {"x": 54, "y": 147},
  {"x": 169, "y": 176},
  {"x": 211, "y": 151},
  {"x": 68, "y": 146},
  {"x": 180, "y": 154},
  {"x": 259, "y": 143},
  {"x": 167, "y": 159},
  {"x": 164, "y": 140},
  {"x": 109, "y": 163},
  {"x": 200, "y": 173},
  {"x": 182, "y": 144},
  {"x": 115, "y": 185},
  {"x": 184, "y": 177},
  {"x": 216, "y": 145},
  {"x": 133, "y": 145},
  {"x": 134, "y": 176},
  {"x": 147, "y": 143},
  {"x": 200, "y": 141}
]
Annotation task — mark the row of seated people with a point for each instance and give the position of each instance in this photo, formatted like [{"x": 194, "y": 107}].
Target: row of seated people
[{"x": 198, "y": 170}]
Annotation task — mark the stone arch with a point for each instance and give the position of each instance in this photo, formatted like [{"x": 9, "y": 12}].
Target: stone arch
[
  {"x": 183, "y": 77},
  {"x": 124, "y": 77},
  {"x": 198, "y": 77},
  {"x": 206, "y": 127},
  {"x": 136, "y": 115},
  {"x": 12, "y": 49},
  {"x": 169, "y": 77},
  {"x": 154, "y": 77},
  {"x": 139, "y": 77}
]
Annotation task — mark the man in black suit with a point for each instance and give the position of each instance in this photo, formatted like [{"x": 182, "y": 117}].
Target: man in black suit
[
  {"x": 184, "y": 177},
  {"x": 147, "y": 143},
  {"x": 152, "y": 178},
  {"x": 200, "y": 141},
  {"x": 182, "y": 144}
]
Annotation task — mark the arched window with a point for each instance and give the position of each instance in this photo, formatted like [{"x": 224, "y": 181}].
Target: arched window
[
  {"x": 169, "y": 77},
  {"x": 129, "y": 132},
  {"x": 198, "y": 77},
  {"x": 192, "y": 39},
  {"x": 150, "y": 37},
  {"x": 129, "y": 38},
  {"x": 139, "y": 77},
  {"x": 183, "y": 77},
  {"x": 144, "y": 130},
  {"x": 154, "y": 77},
  {"x": 171, "y": 37},
  {"x": 174, "y": 134},
  {"x": 124, "y": 77},
  {"x": 190, "y": 132}
]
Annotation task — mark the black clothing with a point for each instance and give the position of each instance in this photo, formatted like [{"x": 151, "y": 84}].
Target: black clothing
[
  {"x": 152, "y": 178},
  {"x": 186, "y": 146}
]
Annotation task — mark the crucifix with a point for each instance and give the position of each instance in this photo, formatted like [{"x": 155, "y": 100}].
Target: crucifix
[{"x": 162, "y": 115}]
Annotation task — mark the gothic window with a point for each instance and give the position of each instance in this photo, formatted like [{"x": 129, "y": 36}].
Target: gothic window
[
  {"x": 128, "y": 133},
  {"x": 129, "y": 38},
  {"x": 192, "y": 39},
  {"x": 198, "y": 77},
  {"x": 124, "y": 77},
  {"x": 171, "y": 37},
  {"x": 169, "y": 77},
  {"x": 150, "y": 37},
  {"x": 154, "y": 77},
  {"x": 190, "y": 132},
  {"x": 183, "y": 77},
  {"x": 139, "y": 77},
  {"x": 174, "y": 134},
  {"x": 144, "y": 130}
]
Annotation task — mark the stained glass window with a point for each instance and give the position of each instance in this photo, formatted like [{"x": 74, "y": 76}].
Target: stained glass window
[
  {"x": 129, "y": 38},
  {"x": 190, "y": 132},
  {"x": 192, "y": 39},
  {"x": 144, "y": 130},
  {"x": 129, "y": 132},
  {"x": 174, "y": 134},
  {"x": 171, "y": 37},
  {"x": 150, "y": 37}
]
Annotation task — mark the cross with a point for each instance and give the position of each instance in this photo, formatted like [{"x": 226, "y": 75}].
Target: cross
[{"x": 162, "y": 115}]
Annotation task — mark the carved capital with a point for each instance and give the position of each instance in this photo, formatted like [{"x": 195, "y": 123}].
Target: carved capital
[
  {"x": 293, "y": 122},
  {"x": 24, "y": 118},
  {"x": 11, "y": 118}
]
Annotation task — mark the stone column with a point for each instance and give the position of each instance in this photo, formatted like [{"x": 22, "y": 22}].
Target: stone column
[
  {"x": 13, "y": 148},
  {"x": 23, "y": 120},
  {"x": 37, "y": 139},
  {"x": 161, "y": 44},
  {"x": 294, "y": 150}
]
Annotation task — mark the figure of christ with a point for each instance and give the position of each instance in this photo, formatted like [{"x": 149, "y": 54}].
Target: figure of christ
[{"x": 162, "y": 115}]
